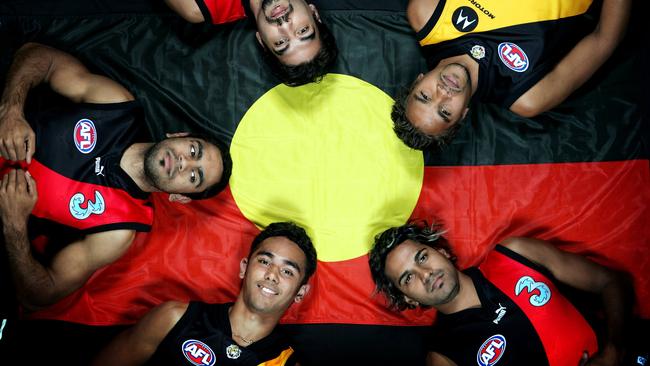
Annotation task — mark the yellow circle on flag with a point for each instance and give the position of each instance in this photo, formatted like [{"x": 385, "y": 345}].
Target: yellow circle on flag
[{"x": 324, "y": 156}]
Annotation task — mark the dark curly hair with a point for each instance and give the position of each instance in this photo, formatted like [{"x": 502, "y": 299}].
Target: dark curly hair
[
  {"x": 226, "y": 161},
  {"x": 409, "y": 134},
  {"x": 310, "y": 71},
  {"x": 391, "y": 239},
  {"x": 294, "y": 233}
]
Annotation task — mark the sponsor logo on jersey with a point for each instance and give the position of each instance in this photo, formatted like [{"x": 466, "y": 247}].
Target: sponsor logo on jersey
[
  {"x": 85, "y": 136},
  {"x": 491, "y": 350},
  {"x": 482, "y": 9},
  {"x": 541, "y": 295},
  {"x": 198, "y": 353},
  {"x": 501, "y": 311},
  {"x": 464, "y": 19},
  {"x": 513, "y": 57},
  {"x": 81, "y": 209},
  {"x": 99, "y": 168},
  {"x": 233, "y": 352}
]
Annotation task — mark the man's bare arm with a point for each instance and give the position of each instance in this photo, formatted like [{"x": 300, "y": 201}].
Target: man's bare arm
[
  {"x": 35, "y": 64},
  {"x": 137, "y": 344},
  {"x": 38, "y": 286},
  {"x": 187, "y": 9},
  {"x": 581, "y": 273},
  {"x": 579, "y": 64},
  {"x": 418, "y": 12}
]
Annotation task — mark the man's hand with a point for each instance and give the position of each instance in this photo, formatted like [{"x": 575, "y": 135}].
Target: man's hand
[
  {"x": 608, "y": 356},
  {"x": 17, "y": 199},
  {"x": 17, "y": 139}
]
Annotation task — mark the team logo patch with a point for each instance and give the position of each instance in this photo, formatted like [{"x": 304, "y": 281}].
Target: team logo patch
[
  {"x": 233, "y": 351},
  {"x": 478, "y": 52},
  {"x": 198, "y": 353},
  {"x": 464, "y": 19},
  {"x": 85, "y": 136},
  {"x": 513, "y": 57},
  {"x": 540, "y": 298},
  {"x": 491, "y": 350},
  {"x": 81, "y": 209}
]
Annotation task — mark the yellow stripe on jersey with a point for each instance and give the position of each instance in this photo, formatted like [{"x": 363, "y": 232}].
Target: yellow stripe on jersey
[
  {"x": 497, "y": 14},
  {"x": 280, "y": 360}
]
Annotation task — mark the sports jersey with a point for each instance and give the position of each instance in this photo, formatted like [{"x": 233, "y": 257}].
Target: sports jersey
[
  {"x": 203, "y": 337},
  {"x": 523, "y": 319},
  {"x": 514, "y": 44},
  {"x": 221, "y": 11},
  {"x": 81, "y": 187}
]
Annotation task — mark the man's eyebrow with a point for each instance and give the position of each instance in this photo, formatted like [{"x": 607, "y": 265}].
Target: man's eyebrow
[
  {"x": 305, "y": 38},
  {"x": 419, "y": 98},
  {"x": 200, "y": 154},
  {"x": 201, "y": 178},
  {"x": 444, "y": 118},
  {"x": 286, "y": 261},
  {"x": 415, "y": 259}
]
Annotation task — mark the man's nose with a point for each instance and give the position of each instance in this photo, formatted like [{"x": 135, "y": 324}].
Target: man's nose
[{"x": 271, "y": 274}]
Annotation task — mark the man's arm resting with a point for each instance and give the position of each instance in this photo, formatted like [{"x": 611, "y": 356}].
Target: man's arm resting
[
  {"x": 136, "y": 345},
  {"x": 38, "y": 286},
  {"x": 187, "y": 9},
  {"x": 579, "y": 64},
  {"x": 581, "y": 273}
]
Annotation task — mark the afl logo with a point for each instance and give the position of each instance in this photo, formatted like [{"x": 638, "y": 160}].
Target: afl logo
[
  {"x": 513, "y": 57},
  {"x": 198, "y": 353},
  {"x": 491, "y": 350},
  {"x": 85, "y": 136}
]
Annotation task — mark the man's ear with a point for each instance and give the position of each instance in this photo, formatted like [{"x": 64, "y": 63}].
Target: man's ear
[
  {"x": 315, "y": 12},
  {"x": 176, "y": 134},
  {"x": 242, "y": 267},
  {"x": 304, "y": 289},
  {"x": 259, "y": 39},
  {"x": 417, "y": 79},
  {"x": 444, "y": 252},
  {"x": 410, "y": 301},
  {"x": 177, "y": 197}
]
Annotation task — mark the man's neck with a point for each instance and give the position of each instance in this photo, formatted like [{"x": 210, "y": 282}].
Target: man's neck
[
  {"x": 470, "y": 64},
  {"x": 248, "y": 326},
  {"x": 466, "y": 298},
  {"x": 132, "y": 162}
]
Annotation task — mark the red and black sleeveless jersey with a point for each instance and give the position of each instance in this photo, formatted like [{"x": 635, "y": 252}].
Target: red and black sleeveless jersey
[
  {"x": 81, "y": 187},
  {"x": 203, "y": 337},
  {"x": 523, "y": 319},
  {"x": 514, "y": 43}
]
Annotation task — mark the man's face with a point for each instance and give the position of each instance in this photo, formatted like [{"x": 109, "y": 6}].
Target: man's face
[
  {"x": 288, "y": 29},
  {"x": 273, "y": 276},
  {"x": 183, "y": 165},
  {"x": 425, "y": 275},
  {"x": 439, "y": 99}
]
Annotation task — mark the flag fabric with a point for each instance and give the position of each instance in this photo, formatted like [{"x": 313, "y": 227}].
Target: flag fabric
[{"x": 578, "y": 176}]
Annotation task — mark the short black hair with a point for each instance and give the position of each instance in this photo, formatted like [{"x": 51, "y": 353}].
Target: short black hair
[
  {"x": 409, "y": 134},
  {"x": 310, "y": 71},
  {"x": 297, "y": 235},
  {"x": 226, "y": 161},
  {"x": 385, "y": 242}
]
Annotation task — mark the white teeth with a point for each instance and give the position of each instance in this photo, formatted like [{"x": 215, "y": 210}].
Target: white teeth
[{"x": 268, "y": 291}]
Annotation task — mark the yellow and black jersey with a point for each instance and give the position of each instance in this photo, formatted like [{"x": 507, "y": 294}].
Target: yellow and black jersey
[
  {"x": 514, "y": 43},
  {"x": 203, "y": 337}
]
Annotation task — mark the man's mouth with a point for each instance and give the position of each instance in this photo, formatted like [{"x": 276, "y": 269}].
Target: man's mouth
[
  {"x": 452, "y": 82},
  {"x": 267, "y": 290},
  {"x": 279, "y": 11},
  {"x": 436, "y": 283}
]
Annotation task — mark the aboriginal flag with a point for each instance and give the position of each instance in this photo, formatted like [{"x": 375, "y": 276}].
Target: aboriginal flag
[{"x": 323, "y": 155}]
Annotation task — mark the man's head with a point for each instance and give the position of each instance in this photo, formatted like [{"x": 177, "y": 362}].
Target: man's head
[
  {"x": 412, "y": 265},
  {"x": 430, "y": 112},
  {"x": 281, "y": 261},
  {"x": 296, "y": 45},
  {"x": 195, "y": 166}
]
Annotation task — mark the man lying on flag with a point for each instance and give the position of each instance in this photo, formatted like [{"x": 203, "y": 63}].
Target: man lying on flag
[
  {"x": 275, "y": 275},
  {"x": 507, "y": 309},
  {"x": 527, "y": 57},
  {"x": 75, "y": 180},
  {"x": 296, "y": 45}
]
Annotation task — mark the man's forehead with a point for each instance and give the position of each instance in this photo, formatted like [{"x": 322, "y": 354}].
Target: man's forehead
[
  {"x": 400, "y": 258},
  {"x": 281, "y": 247}
]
